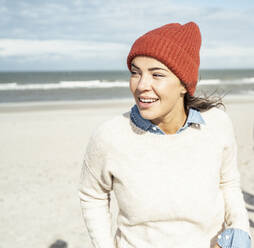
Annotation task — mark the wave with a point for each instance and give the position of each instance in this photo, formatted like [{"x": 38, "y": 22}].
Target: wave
[
  {"x": 248, "y": 80},
  {"x": 63, "y": 85},
  {"x": 103, "y": 84},
  {"x": 209, "y": 81},
  {"x": 221, "y": 81}
]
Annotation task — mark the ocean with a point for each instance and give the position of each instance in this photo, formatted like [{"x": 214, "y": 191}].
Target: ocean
[{"x": 44, "y": 86}]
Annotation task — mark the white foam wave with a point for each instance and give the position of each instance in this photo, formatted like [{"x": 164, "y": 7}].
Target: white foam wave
[
  {"x": 209, "y": 81},
  {"x": 221, "y": 81},
  {"x": 63, "y": 85},
  {"x": 101, "y": 84},
  {"x": 248, "y": 80}
]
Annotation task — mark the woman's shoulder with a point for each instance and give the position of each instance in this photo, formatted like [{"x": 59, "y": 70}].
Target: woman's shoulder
[
  {"x": 115, "y": 121},
  {"x": 215, "y": 115},
  {"x": 112, "y": 126},
  {"x": 218, "y": 120}
]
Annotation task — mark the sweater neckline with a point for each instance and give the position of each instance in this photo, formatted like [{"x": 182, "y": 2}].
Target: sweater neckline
[{"x": 160, "y": 136}]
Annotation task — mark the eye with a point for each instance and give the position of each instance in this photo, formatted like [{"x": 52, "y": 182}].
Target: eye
[
  {"x": 133, "y": 72},
  {"x": 158, "y": 75}
]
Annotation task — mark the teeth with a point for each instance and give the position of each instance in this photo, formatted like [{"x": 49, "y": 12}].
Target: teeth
[{"x": 147, "y": 100}]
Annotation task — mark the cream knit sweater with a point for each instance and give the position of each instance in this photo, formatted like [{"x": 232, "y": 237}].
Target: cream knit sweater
[{"x": 173, "y": 191}]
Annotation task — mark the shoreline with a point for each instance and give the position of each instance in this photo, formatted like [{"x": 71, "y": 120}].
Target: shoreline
[{"x": 100, "y": 103}]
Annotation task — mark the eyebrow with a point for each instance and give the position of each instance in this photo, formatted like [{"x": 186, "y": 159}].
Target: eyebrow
[{"x": 151, "y": 69}]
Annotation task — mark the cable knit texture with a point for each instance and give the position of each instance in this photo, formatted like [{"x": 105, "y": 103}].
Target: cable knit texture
[
  {"x": 175, "y": 45},
  {"x": 176, "y": 190}
]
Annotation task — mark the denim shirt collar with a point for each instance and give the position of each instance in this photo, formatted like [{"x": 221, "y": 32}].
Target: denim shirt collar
[{"x": 194, "y": 116}]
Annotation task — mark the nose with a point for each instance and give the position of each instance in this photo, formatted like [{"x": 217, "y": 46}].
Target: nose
[{"x": 144, "y": 83}]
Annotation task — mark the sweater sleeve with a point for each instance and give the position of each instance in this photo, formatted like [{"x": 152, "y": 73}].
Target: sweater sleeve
[
  {"x": 94, "y": 193},
  {"x": 236, "y": 215}
]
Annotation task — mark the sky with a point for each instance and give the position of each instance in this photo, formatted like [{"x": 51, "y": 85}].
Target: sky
[{"x": 97, "y": 35}]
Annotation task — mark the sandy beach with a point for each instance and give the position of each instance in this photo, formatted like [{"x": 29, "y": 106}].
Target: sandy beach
[{"x": 41, "y": 151}]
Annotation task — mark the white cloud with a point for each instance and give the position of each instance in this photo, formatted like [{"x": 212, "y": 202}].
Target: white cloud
[
  {"x": 60, "y": 48},
  {"x": 103, "y": 31},
  {"x": 228, "y": 51},
  {"x": 215, "y": 55},
  {"x": 226, "y": 55},
  {"x": 3, "y": 10}
]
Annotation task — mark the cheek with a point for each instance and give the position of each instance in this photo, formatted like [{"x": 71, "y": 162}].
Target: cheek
[
  {"x": 167, "y": 90},
  {"x": 132, "y": 86},
  {"x": 162, "y": 89}
]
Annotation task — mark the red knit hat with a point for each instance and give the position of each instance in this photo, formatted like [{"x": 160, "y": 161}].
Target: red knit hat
[{"x": 175, "y": 45}]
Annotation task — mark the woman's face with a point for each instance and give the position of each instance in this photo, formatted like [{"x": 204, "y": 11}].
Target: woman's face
[{"x": 152, "y": 79}]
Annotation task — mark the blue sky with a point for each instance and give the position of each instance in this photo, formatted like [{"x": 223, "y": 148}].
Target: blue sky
[{"x": 97, "y": 34}]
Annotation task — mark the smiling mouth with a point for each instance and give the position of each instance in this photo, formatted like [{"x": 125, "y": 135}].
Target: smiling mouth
[
  {"x": 146, "y": 101},
  {"x": 146, "y": 105}
]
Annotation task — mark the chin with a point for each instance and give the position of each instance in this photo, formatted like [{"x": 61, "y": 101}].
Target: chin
[{"x": 147, "y": 114}]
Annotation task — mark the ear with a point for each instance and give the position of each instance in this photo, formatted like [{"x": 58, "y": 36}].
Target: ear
[{"x": 183, "y": 90}]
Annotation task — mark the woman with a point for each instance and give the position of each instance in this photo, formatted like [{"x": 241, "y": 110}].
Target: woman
[{"x": 171, "y": 160}]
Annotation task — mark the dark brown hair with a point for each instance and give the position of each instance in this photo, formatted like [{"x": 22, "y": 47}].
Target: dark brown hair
[{"x": 202, "y": 103}]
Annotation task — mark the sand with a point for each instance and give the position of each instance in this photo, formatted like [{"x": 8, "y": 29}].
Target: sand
[{"x": 41, "y": 151}]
